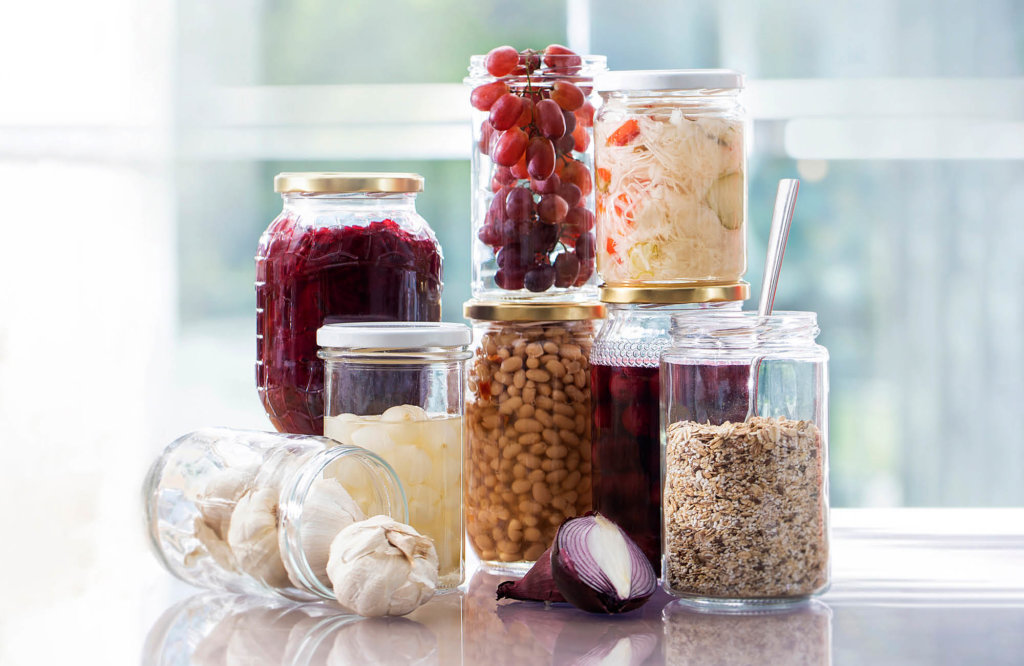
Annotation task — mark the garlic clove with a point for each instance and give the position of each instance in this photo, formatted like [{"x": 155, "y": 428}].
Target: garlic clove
[
  {"x": 327, "y": 510},
  {"x": 217, "y": 499},
  {"x": 252, "y": 536},
  {"x": 212, "y": 545},
  {"x": 725, "y": 197},
  {"x": 400, "y": 413},
  {"x": 381, "y": 567}
]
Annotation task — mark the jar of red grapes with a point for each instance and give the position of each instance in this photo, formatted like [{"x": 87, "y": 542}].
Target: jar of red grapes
[
  {"x": 528, "y": 421},
  {"x": 626, "y": 412},
  {"x": 347, "y": 247},
  {"x": 532, "y": 178},
  {"x": 745, "y": 433},
  {"x": 670, "y": 158}
]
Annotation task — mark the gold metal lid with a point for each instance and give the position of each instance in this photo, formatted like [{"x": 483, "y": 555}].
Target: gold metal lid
[
  {"x": 498, "y": 311},
  {"x": 705, "y": 293},
  {"x": 327, "y": 182}
]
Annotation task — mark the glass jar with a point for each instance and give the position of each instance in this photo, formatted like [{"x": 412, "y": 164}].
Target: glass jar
[
  {"x": 528, "y": 416},
  {"x": 255, "y": 512},
  {"x": 533, "y": 218},
  {"x": 671, "y": 177},
  {"x": 346, "y": 247},
  {"x": 745, "y": 497},
  {"x": 626, "y": 416},
  {"x": 397, "y": 389}
]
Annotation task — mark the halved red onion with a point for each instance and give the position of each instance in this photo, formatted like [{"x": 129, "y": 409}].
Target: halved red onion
[{"x": 598, "y": 568}]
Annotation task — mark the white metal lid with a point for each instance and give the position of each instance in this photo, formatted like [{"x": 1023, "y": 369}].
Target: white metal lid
[
  {"x": 393, "y": 335},
  {"x": 668, "y": 79}
]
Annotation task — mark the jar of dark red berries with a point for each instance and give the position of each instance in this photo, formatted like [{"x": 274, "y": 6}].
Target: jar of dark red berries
[
  {"x": 348, "y": 247},
  {"x": 625, "y": 387},
  {"x": 532, "y": 183},
  {"x": 528, "y": 423}
]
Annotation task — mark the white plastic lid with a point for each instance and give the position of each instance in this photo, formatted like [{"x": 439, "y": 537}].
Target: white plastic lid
[
  {"x": 393, "y": 335},
  {"x": 668, "y": 79}
]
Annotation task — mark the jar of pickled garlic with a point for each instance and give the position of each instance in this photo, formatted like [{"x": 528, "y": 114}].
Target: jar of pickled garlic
[
  {"x": 346, "y": 247},
  {"x": 256, "y": 512},
  {"x": 670, "y": 157},
  {"x": 396, "y": 389},
  {"x": 532, "y": 182},
  {"x": 745, "y": 418},
  {"x": 625, "y": 385},
  {"x": 528, "y": 417}
]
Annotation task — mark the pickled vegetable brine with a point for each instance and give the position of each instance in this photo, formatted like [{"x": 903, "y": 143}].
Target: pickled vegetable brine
[{"x": 670, "y": 178}]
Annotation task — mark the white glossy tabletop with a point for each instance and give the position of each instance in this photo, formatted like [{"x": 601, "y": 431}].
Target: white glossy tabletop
[{"x": 909, "y": 586}]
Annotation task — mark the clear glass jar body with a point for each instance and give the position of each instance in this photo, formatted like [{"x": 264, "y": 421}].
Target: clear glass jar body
[
  {"x": 626, "y": 415},
  {"x": 406, "y": 405},
  {"x": 745, "y": 498},
  {"x": 328, "y": 258},
  {"x": 516, "y": 246},
  {"x": 246, "y": 511},
  {"x": 671, "y": 187},
  {"x": 528, "y": 414}
]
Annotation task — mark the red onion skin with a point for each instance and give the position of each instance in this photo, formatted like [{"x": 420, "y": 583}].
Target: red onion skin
[
  {"x": 536, "y": 585},
  {"x": 581, "y": 595}
]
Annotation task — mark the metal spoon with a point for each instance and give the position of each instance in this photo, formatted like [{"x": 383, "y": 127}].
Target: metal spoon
[{"x": 782, "y": 219}]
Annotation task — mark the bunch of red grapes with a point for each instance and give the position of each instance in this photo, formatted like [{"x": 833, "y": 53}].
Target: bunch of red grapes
[{"x": 538, "y": 116}]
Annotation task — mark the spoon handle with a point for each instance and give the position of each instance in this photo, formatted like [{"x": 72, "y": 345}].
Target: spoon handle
[{"x": 782, "y": 217}]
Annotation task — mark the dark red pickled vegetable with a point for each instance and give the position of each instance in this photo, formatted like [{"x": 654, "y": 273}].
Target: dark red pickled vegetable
[{"x": 379, "y": 272}]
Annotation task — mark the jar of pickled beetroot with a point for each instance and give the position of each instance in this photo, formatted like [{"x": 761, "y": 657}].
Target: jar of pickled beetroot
[
  {"x": 745, "y": 430},
  {"x": 256, "y": 512},
  {"x": 532, "y": 182},
  {"x": 396, "y": 389},
  {"x": 347, "y": 247},
  {"x": 626, "y": 410},
  {"x": 528, "y": 416},
  {"x": 670, "y": 160}
]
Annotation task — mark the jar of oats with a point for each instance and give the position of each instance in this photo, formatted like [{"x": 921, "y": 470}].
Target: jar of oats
[
  {"x": 528, "y": 422},
  {"x": 745, "y": 463}
]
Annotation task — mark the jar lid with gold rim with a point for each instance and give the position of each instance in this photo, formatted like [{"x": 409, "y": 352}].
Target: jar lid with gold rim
[
  {"x": 705, "y": 293},
  {"x": 342, "y": 182},
  {"x": 499, "y": 311}
]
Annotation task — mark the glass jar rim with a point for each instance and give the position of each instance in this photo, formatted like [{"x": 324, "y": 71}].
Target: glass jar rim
[
  {"x": 396, "y": 335},
  {"x": 699, "y": 325}
]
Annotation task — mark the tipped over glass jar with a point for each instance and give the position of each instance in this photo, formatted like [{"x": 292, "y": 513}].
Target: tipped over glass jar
[
  {"x": 256, "y": 512},
  {"x": 670, "y": 174},
  {"x": 745, "y": 459},
  {"x": 396, "y": 389},
  {"x": 347, "y": 247}
]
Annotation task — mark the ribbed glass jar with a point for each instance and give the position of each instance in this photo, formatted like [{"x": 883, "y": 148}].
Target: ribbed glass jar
[
  {"x": 670, "y": 170},
  {"x": 532, "y": 180},
  {"x": 396, "y": 389},
  {"x": 347, "y": 247},
  {"x": 255, "y": 512},
  {"x": 528, "y": 416},
  {"x": 626, "y": 412},
  {"x": 745, "y": 414}
]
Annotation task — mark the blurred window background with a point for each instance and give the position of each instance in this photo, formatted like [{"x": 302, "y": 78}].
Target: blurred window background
[{"x": 138, "y": 177}]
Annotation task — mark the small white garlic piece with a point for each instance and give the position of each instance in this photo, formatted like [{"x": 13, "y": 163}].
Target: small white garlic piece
[
  {"x": 328, "y": 509},
  {"x": 212, "y": 546},
  {"x": 253, "y": 537},
  {"x": 218, "y": 498},
  {"x": 381, "y": 567}
]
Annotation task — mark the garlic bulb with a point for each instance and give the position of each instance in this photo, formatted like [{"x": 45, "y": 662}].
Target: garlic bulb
[
  {"x": 252, "y": 536},
  {"x": 382, "y": 567},
  {"x": 218, "y": 498},
  {"x": 328, "y": 509}
]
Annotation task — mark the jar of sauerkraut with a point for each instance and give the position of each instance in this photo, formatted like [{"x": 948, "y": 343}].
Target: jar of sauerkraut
[{"x": 670, "y": 177}]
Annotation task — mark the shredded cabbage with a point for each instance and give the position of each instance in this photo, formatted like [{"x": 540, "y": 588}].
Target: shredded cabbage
[{"x": 655, "y": 219}]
